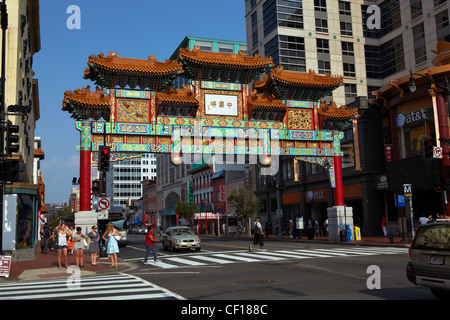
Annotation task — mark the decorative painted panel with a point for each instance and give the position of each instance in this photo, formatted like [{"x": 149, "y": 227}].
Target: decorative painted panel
[
  {"x": 136, "y": 111},
  {"x": 300, "y": 119}
]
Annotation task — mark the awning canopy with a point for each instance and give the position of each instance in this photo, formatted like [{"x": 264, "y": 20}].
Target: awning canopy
[{"x": 217, "y": 175}]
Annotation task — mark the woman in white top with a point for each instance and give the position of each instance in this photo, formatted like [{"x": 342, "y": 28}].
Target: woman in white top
[{"x": 62, "y": 232}]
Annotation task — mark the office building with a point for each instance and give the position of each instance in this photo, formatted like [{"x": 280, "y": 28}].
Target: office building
[{"x": 123, "y": 181}]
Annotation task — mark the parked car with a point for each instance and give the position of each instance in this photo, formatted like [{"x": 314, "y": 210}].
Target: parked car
[
  {"x": 429, "y": 255},
  {"x": 180, "y": 237}
]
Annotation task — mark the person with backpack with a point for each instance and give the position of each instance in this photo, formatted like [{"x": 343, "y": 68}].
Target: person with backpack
[{"x": 259, "y": 235}]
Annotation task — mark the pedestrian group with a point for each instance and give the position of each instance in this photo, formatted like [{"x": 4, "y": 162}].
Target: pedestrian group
[{"x": 67, "y": 242}]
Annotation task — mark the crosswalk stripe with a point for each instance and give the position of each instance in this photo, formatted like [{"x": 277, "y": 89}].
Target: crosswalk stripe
[
  {"x": 328, "y": 252},
  {"x": 240, "y": 258},
  {"x": 262, "y": 255},
  {"x": 211, "y": 259},
  {"x": 282, "y": 254},
  {"x": 186, "y": 261},
  {"x": 356, "y": 251},
  {"x": 100, "y": 287},
  {"x": 256, "y": 256}
]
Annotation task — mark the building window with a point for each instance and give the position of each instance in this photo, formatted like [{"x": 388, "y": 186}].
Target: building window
[
  {"x": 255, "y": 29},
  {"x": 287, "y": 51},
  {"x": 320, "y": 5},
  {"x": 439, "y": 2},
  {"x": 442, "y": 20},
  {"x": 421, "y": 54},
  {"x": 321, "y": 25},
  {"x": 323, "y": 46},
  {"x": 345, "y": 8},
  {"x": 346, "y": 29},
  {"x": 347, "y": 49},
  {"x": 290, "y": 14},
  {"x": 418, "y": 32},
  {"x": 416, "y": 8},
  {"x": 269, "y": 16},
  {"x": 226, "y": 47},
  {"x": 390, "y": 19},
  {"x": 349, "y": 70},
  {"x": 204, "y": 46},
  {"x": 350, "y": 90},
  {"x": 324, "y": 67}
]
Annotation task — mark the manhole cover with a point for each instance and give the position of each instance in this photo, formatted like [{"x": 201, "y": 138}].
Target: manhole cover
[{"x": 256, "y": 281}]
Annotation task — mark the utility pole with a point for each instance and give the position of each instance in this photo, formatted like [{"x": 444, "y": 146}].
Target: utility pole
[{"x": 4, "y": 25}]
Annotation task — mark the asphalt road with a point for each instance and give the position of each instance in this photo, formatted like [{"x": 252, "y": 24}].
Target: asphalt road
[{"x": 225, "y": 270}]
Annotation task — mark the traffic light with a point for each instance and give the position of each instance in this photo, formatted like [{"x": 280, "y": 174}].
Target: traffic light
[
  {"x": 13, "y": 171},
  {"x": 95, "y": 187},
  {"x": 12, "y": 139},
  {"x": 104, "y": 156},
  {"x": 427, "y": 147}
]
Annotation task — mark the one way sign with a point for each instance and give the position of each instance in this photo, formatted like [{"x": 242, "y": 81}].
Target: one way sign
[{"x": 104, "y": 204}]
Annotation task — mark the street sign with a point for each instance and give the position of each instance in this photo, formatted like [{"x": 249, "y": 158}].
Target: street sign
[
  {"x": 407, "y": 190},
  {"x": 104, "y": 204},
  {"x": 437, "y": 152},
  {"x": 279, "y": 212},
  {"x": 5, "y": 266},
  {"x": 401, "y": 200}
]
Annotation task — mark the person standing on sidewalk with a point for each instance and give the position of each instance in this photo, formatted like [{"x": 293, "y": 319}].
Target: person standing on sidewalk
[
  {"x": 112, "y": 245},
  {"x": 259, "y": 235},
  {"x": 94, "y": 247},
  {"x": 62, "y": 232},
  {"x": 45, "y": 238},
  {"x": 150, "y": 245},
  {"x": 79, "y": 247}
]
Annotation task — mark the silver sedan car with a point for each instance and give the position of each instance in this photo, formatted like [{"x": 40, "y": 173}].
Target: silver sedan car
[{"x": 180, "y": 237}]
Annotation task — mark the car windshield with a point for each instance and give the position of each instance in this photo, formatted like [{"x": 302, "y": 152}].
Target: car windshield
[
  {"x": 433, "y": 237},
  {"x": 182, "y": 231}
]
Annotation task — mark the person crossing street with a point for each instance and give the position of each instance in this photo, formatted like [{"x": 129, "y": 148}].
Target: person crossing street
[{"x": 258, "y": 239}]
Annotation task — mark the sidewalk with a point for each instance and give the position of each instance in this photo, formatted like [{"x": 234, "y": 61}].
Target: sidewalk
[{"x": 45, "y": 266}]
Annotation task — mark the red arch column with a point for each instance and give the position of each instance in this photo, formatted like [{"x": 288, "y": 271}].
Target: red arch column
[
  {"x": 339, "y": 190},
  {"x": 85, "y": 166}
]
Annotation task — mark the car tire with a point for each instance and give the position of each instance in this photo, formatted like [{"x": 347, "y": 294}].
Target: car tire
[
  {"x": 198, "y": 249},
  {"x": 440, "y": 294},
  {"x": 171, "y": 248}
]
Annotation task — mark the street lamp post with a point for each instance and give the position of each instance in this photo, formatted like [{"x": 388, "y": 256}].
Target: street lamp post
[{"x": 206, "y": 216}]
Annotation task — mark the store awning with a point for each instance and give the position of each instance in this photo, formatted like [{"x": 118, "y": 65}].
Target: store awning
[{"x": 220, "y": 174}]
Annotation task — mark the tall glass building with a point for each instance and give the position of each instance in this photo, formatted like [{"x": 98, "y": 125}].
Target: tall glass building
[{"x": 123, "y": 182}]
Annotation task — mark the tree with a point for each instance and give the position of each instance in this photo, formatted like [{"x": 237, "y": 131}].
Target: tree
[
  {"x": 244, "y": 204},
  {"x": 185, "y": 210}
]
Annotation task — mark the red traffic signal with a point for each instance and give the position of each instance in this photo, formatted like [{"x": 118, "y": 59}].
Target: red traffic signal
[{"x": 104, "y": 158}]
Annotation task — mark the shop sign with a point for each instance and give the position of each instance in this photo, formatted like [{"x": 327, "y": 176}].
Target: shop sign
[
  {"x": 5, "y": 266},
  {"x": 413, "y": 116},
  {"x": 316, "y": 195}
]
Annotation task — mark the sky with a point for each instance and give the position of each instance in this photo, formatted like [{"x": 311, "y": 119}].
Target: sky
[{"x": 133, "y": 28}]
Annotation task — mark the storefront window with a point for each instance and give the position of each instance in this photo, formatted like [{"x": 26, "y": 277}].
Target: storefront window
[
  {"x": 412, "y": 128},
  {"x": 24, "y": 221},
  {"x": 348, "y": 160}
]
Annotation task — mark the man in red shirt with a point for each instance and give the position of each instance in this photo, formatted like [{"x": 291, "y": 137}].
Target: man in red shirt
[{"x": 150, "y": 245}]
